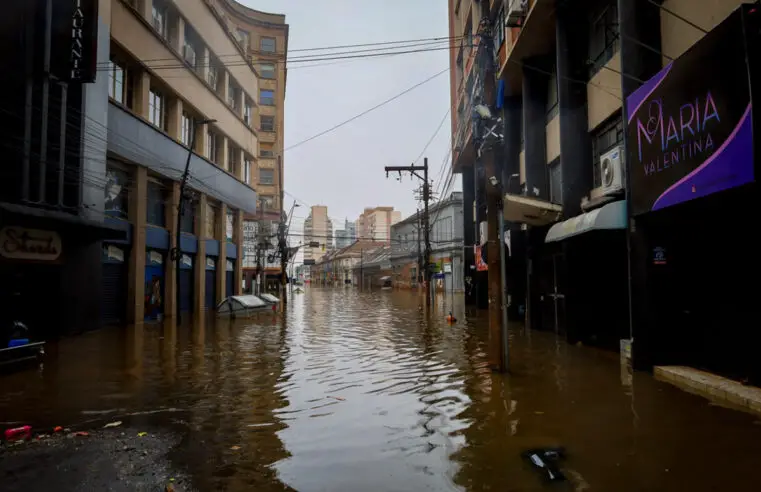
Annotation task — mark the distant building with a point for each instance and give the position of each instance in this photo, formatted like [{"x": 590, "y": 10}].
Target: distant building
[
  {"x": 318, "y": 228},
  {"x": 346, "y": 236},
  {"x": 375, "y": 223}
]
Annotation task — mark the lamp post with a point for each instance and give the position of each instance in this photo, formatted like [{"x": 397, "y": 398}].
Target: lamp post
[{"x": 176, "y": 251}]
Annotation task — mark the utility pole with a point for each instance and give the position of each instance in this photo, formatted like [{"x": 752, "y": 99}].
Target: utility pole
[
  {"x": 361, "y": 269},
  {"x": 413, "y": 170},
  {"x": 488, "y": 139},
  {"x": 419, "y": 250},
  {"x": 176, "y": 253},
  {"x": 284, "y": 250}
]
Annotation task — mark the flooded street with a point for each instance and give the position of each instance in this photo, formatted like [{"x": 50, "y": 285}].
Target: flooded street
[{"x": 352, "y": 391}]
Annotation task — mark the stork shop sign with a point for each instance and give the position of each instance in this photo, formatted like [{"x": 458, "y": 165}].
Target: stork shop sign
[{"x": 29, "y": 244}]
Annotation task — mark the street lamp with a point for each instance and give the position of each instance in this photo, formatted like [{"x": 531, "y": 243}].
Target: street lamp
[{"x": 176, "y": 251}]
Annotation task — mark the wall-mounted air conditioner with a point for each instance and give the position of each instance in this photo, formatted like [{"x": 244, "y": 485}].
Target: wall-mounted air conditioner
[{"x": 611, "y": 173}]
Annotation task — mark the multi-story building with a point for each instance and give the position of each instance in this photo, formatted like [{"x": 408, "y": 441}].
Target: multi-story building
[
  {"x": 604, "y": 227},
  {"x": 346, "y": 236},
  {"x": 408, "y": 246},
  {"x": 265, "y": 40},
  {"x": 172, "y": 86},
  {"x": 318, "y": 228},
  {"x": 375, "y": 223}
]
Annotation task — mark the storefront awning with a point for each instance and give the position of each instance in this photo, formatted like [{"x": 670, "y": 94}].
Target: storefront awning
[
  {"x": 608, "y": 217},
  {"x": 56, "y": 220},
  {"x": 532, "y": 211}
]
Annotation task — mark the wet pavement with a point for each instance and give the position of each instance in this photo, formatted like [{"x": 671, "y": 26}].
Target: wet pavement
[{"x": 352, "y": 391}]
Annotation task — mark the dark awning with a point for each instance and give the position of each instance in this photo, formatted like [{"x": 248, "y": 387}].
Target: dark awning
[{"x": 55, "y": 219}]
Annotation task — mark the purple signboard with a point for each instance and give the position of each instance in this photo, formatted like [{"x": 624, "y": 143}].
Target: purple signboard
[{"x": 689, "y": 131}]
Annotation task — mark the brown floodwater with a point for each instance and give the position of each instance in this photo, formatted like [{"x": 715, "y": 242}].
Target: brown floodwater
[{"x": 363, "y": 391}]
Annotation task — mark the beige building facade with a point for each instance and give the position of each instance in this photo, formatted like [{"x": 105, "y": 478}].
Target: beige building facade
[
  {"x": 176, "y": 82},
  {"x": 318, "y": 228},
  {"x": 374, "y": 224}
]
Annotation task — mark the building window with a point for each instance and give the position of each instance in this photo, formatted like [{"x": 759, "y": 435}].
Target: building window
[
  {"x": 160, "y": 18},
  {"x": 247, "y": 113},
  {"x": 499, "y": 27},
  {"x": 267, "y": 123},
  {"x": 213, "y": 75},
  {"x": 232, "y": 159},
  {"x": 155, "y": 207},
  {"x": 211, "y": 146},
  {"x": 266, "y": 176},
  {"x": 267, "y": 201},
  {"x": 188, "y": 128},
  {"x": 266, "y": 97},
  {"x": 232, "y": 93},
  {"x": 187, "y": 221},
  {"x": 242, "y": 37},
  {"x": 156, "y": 108},
  {"x": 604, "y": 138},
  {"x": 556, "y": 181},
  {"x": 266, "y": 153},
  {"x": 267, "y": 45},
  {"x": 603, "y": 37},
  {"x": 267, "y": 70},
  {"x": 116, "y": 85},
  {"x": 552, "y": 98},
  {"x": 116, "y": 195},
  {"x": 247, "y": 171}
]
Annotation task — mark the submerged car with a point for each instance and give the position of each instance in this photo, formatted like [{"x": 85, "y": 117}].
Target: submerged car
[
  {"x": 247, "y": 305},
  {"x": 18, "y": 346}
]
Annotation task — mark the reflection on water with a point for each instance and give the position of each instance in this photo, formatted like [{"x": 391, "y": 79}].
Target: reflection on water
[{"x": 354, "y": 390}]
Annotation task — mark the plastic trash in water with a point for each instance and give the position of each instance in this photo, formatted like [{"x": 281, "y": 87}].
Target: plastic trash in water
[
  {"x": 546, "y": 460},
  {"x": 18, "y": 433}
]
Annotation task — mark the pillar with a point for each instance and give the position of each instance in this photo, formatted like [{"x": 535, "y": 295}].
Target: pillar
[
  {"x": 199, "y": 274},
  {"x": 221, "y": 234},
  {"x": 174, "y": 118},
  {"x": 223, "y": 153},
  {"x": 204, "y": 58},
  {"x": 480, "y": 278},
  {"x": 240, "y": 102},
  {"x": 469, "y": 230},
  {"x": 238, "y": 240},
  {"x": 535, "y": 94},
  {"x": 142, "y": 91},
  {"x": 138, "y": 201},
  {"x": 170, "y": 282},
  {"x": 575, "y": 142},
  {"x": 199, "y": 145},
  {"x": 177, "y": 33},
  {"x": 224, "y": 84}
]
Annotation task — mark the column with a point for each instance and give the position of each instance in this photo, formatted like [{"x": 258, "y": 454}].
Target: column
[
  {"x": 199, "y": 145},
  {"x": 469, "y": 229},
  {"x": 223, "y": 156},
  {"x": 142, "y": 90},
  {"x": 170, "y": 279},
  {"x": 238, "y": 240},
  {"x": 199, "y": 280},
  {"x": 138, "y": 200},
  {"x": 240, "y": 102},
  {"x": 480, "y": 279},
  {"x": 204, "y": 58},
  {"x": 174, "y": 123},
  {"x": 221, "y": 234},
  {"x": 177, "y": 33},
  {"x": 535, "y": 94},
  {"x": 224, "y": 84},
  {"x": 575, "y": 142}
]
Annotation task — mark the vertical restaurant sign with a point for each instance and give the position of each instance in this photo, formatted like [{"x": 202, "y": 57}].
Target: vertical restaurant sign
[
  {"x": 74, "y": 46},
  {"x": 689, "y": 131}
]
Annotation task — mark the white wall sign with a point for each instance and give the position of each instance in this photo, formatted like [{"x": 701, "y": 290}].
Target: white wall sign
[
  {"x": 29, "y": 244},
  {"x": 187, "y": 260}
]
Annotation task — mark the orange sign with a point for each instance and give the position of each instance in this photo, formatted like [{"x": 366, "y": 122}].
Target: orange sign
[{"x": 481, "y": 266}]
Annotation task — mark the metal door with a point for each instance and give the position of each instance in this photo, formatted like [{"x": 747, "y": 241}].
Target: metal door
[
  {"x": 114, "y": 288},
  {"x": 186, "y": 290},
  {"x": 211, "y": 290}
]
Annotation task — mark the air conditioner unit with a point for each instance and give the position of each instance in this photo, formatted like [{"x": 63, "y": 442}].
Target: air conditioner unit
[
  {"x": 516, "y": 11},
  {"x": 189, "y": 54},
  {"x": 611, "y": 173}
]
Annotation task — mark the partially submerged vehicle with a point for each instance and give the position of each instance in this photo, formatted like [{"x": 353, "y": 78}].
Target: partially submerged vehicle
[
  {"x": 247, "y": 305},
  {"x": 269, "y": 298},
  {"x": 18, "y": 346}
]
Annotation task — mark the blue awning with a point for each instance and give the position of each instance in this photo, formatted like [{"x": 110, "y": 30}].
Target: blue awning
[{"x": 608, "y": 217}]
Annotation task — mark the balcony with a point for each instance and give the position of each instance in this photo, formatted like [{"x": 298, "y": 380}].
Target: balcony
[{"x": 134, "y": 139}]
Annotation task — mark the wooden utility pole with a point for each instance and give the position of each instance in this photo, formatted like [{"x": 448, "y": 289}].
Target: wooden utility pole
[{"x": 413, "y": 170}]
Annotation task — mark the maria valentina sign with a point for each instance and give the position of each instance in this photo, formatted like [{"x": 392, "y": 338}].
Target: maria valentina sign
[
  {"x": 29, "y": 244},
  {"x": 689, "y": 130}
]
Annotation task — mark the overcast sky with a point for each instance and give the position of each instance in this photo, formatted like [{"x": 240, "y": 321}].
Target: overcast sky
[{"x": 344, "y": 169}]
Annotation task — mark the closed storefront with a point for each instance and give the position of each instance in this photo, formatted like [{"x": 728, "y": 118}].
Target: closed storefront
[
  {"x": 186, "y": 283},
  {"x": 154, "y": 285},
  {"x": 211, "y": 285},
  {"x": 114, "y": 285}
]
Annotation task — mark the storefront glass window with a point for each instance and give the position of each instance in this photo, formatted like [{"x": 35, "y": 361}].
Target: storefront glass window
[{"x": 116, "y": 195}]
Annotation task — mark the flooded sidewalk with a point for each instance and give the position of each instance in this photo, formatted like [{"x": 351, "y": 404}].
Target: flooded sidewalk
[{"x": 352, "y": 390}]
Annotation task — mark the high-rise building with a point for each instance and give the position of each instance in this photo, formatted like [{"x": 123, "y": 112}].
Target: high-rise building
[
  {"x": 344, "y": 237},
  {"x": 374, "y": 224},
  {"x": 318, "y": 228}
]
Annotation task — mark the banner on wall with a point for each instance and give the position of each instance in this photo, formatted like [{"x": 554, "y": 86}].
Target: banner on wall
[
  {"x": 481, "y": 265},
  {"x": 689, "y": 131}
]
